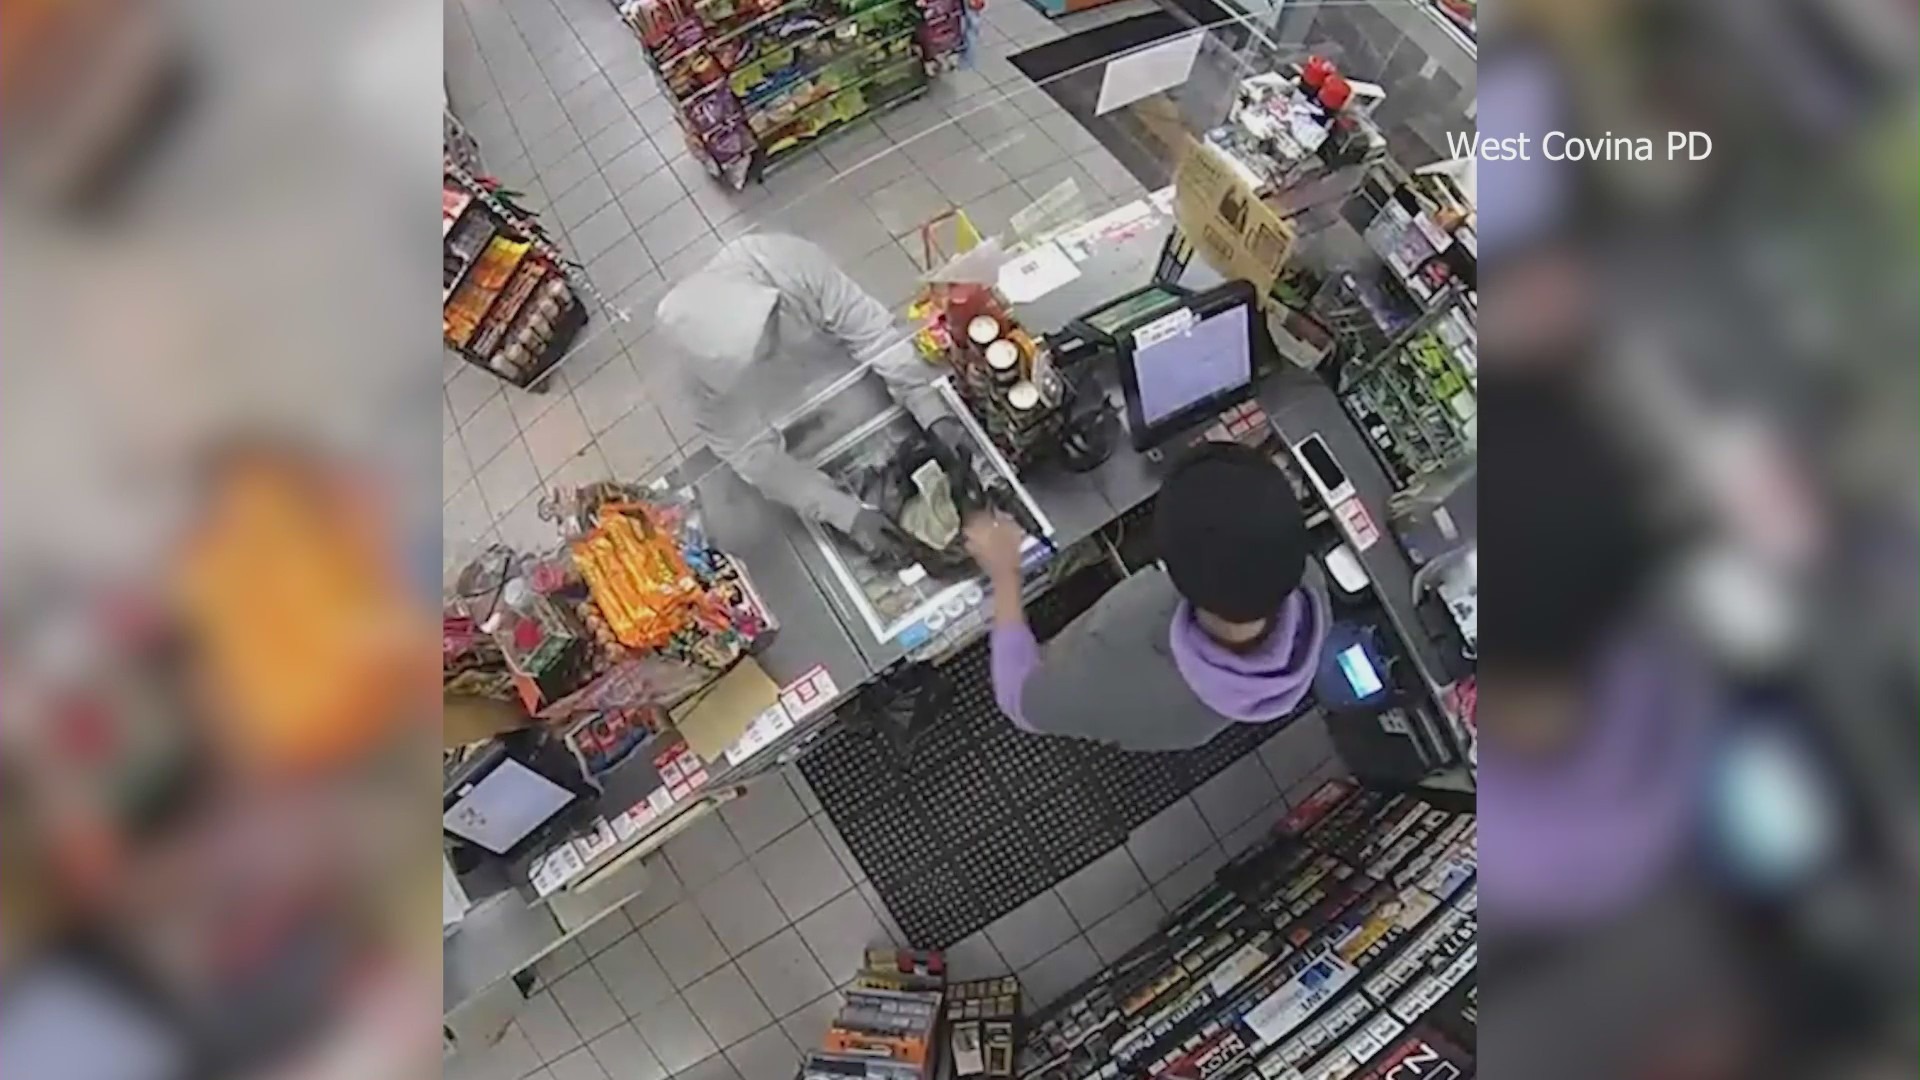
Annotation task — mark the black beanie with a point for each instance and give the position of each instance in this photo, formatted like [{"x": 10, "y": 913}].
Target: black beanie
[{"x": 1230, "y": 532}]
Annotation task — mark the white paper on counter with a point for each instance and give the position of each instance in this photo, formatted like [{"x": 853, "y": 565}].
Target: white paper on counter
[
  {"x": 1030, "y": 276},
  {"x": 1148, "y": 71}
]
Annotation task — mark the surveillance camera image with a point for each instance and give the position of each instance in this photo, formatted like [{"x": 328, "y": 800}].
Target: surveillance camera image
[{"x": 957, "y": 540}]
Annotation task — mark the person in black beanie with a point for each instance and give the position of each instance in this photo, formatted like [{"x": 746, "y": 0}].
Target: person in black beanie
[{"x": 1227, "y": 630}]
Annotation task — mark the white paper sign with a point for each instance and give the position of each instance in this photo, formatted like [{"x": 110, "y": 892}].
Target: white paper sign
[
  {"x": 1033, "y": 275},
  {"x": 1148, "y": 71},
  {"x": 1172, "y": 324}
]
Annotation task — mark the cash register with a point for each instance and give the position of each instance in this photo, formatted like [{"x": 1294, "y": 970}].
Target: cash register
[
  {"x": 511, "y": 797},
  {"x": 1182, "y": 357}
]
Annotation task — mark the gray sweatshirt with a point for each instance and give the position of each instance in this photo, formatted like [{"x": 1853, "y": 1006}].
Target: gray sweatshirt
[
  {"x": 760, "y": 330},
  {"x": 1137, "y": 672}
]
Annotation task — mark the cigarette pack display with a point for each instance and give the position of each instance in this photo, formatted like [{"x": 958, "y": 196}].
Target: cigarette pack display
[
  {"x": 999, "y": 1044},
  {"x": 828, "y": 1066},
  {"x": 1275, "y": 968},
  {"x": 894, "y": 1025},
  {"x": 1457, "y": 1015},
  {"x": 1419, "y": 1052},
  {"x": 965, "y": 1040}
]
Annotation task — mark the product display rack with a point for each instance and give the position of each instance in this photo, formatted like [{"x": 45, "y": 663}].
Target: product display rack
[
  {"x": 1417, "y": 399},
  {"x": 1406, "y": 325},
  {"x": 1316, "y": 956},
  {"x": 506, "y": 302},
  {"x": 889, "y": 1021},
  {"x": 754, "y": 82}
]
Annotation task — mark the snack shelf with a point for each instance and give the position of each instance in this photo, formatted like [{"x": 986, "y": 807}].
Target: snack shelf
[
  {"x": 461, "y": 340},
  {"x": 760, "y": 20},
  {"x": 488, "y": 315},
  {"x": 786, "y": 153},
  {"x": 460, "y": 278},
  {"x": 755, "y": 95},
  {"x": 520, "y": 287},
  {"x": 572, "y": 317},
  {"x": 730, "y": 123},
  {"x": 776, "y": 100},
  {"x": 453, "y": 207},
  {"x": 858, "y": 84}
]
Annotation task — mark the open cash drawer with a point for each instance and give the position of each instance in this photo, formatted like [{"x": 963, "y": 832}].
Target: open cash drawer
[{"x": 893, "y": 603}]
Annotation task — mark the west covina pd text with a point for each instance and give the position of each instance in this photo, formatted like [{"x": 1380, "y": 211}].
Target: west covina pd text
[{"x": 1561, "y": 146}]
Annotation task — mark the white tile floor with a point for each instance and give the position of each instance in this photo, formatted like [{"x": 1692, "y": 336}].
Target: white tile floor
[
  {"x": 566, "y": 109},
  {"x": 730, "y": 965}
]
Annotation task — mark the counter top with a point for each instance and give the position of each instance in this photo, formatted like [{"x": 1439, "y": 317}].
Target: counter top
[{"x": 820, "y": 626}]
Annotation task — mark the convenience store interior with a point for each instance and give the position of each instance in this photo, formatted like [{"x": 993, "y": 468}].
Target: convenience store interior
[{"x": 736, "y": 955}]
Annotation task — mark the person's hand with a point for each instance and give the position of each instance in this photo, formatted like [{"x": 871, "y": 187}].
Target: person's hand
[
  {"x": 994, "y": 542},
  {"x": 879, "y": 538}
]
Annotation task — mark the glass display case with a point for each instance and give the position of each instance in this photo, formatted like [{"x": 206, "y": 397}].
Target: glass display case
[{"x": 917, "y": 601}]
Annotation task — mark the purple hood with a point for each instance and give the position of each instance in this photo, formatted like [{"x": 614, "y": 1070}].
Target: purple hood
[
  {"x": 1266, "y": 683},
  {"x": 1585, "y": 834}
]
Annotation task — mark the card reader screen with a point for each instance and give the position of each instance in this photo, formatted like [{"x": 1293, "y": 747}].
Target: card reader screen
[{"x": 1359, "y": 671}]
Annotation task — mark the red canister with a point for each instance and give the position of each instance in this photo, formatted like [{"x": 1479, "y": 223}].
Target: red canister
[
  {"x": 1336, "y": 92},
  {"x": 1316, "y": 71}
]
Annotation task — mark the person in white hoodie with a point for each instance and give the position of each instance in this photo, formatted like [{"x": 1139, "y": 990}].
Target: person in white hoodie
[{"x": 764, "y": 326}]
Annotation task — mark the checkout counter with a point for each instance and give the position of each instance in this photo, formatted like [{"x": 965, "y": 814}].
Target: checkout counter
[
  {"x": 828, "y": 633},
  {"x": 823, "y": 624}
]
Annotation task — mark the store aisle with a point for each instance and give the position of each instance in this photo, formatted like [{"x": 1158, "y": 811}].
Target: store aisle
[{"x": 566, "y": 109}]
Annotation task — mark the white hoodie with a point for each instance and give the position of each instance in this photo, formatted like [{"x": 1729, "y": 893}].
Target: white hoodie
[{"x": 762, "y": 328}]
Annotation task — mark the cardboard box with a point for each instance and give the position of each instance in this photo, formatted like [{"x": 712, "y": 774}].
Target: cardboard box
[
  {"x": 714, "y": 721},
  {"x": 1226, "y": 222}
]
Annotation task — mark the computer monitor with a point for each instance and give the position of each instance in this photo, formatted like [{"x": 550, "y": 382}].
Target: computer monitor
[
  {"x": 1188, "y": 364},
  {"x": 505, "y": 794}
]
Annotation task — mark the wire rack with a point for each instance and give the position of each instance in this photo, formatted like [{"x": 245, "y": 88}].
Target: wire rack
[{"x": 1411, "y": 377}]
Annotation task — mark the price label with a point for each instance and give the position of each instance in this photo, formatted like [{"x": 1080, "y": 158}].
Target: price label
[
  {"x": 1360, "y": 527},
  {"x": 1172, "y": 324},
  {"x": 808, "y": 694}
]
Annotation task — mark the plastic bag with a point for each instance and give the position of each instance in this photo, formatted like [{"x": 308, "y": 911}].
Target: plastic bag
[{"x": 890, "y": 488}]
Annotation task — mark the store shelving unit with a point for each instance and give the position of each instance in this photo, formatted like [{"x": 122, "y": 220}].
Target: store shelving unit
[
  {"x": 1417, "y": 399},
  {"x": 505, "y": 302},
  {"x": 1315, "y": 956},
  {"x": 1406, "y": 325},
  {"x": 755, "y": 83}
]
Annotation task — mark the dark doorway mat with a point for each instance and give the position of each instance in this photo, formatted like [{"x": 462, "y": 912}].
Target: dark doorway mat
[
  {"x": 970, "y": 818},
  {"x": 1043, "y": 62}
]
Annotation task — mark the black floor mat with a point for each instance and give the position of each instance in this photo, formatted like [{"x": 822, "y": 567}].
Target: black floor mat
[
  {"x": 1043, "y": 62},
  {"x": 970, "y": 818}
]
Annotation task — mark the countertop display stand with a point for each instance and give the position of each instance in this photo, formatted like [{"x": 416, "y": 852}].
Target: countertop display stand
[{"x": 510, "y": 299}]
